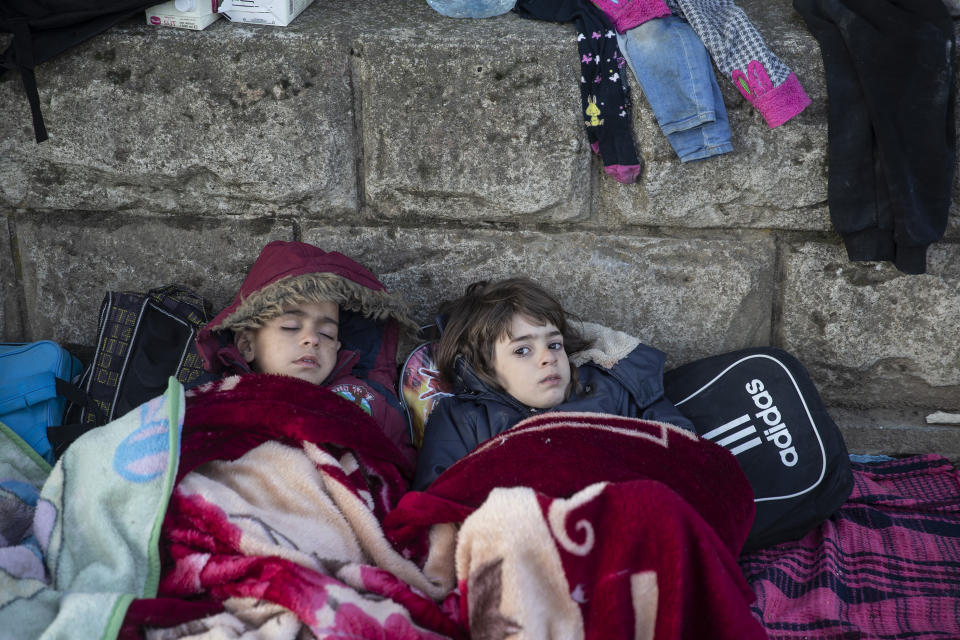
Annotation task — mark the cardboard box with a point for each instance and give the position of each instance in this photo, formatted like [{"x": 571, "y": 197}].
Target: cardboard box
[
  {"x": 275, "y": 12},
  {"x": 184, "y": 14}
]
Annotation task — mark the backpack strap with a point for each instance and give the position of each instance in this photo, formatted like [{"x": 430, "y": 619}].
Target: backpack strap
[
  {"x": 78, "y": 396},
  {"x": 61, "y": 436},
  {"x": 40, "y": 390},
  {"x": 23, "y": 60}
]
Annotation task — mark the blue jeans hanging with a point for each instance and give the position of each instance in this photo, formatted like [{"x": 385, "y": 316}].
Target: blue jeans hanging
[{"x": 676, "y": 75}]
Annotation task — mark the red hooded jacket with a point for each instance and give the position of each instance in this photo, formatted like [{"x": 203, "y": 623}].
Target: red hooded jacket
[{"x": 366, "y": 370}]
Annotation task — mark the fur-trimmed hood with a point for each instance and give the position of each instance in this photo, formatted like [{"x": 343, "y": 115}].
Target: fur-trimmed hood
[{"x": 296, "y": 272}]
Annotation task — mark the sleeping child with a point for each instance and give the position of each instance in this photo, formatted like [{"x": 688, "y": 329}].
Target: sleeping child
[
  {"x": 318, "y": 316},
  {"x": 506, "y": 350}
]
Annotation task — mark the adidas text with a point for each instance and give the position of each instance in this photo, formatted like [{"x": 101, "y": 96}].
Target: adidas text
[{"x": 777, "y": 433}]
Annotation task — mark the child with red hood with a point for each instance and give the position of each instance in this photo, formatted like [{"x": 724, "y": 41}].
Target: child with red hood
[{"x": 318, "y": 316}]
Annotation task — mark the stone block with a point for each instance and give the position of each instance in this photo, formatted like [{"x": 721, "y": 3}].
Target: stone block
[
  {"x": 872, "y": 336},
  {"x": 481, "y": 123},
  {"x": 230, "y": 120},
  {"x": 71, "y": 261},
  {"x": 10, "y": 326},
  {"x": 441, "y": 151},
  {"x": 689, "y": 298},
  {"x": 896, "y": 433}
]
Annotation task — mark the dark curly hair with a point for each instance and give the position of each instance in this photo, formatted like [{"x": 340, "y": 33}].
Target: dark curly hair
[{"x": 484, "y": 314}]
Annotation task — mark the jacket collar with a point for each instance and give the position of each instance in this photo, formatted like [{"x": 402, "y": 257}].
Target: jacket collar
[
  {"x": 468, "y": 382},
  {"x": 345, "y": 362}
]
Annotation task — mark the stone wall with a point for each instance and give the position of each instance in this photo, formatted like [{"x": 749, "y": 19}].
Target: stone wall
[{"x": 441, "y": 151}]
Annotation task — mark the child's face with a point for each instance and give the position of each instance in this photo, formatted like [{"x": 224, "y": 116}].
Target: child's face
[
  {"x": 532, "y": 365},
  {"x": 301, "y": 343}
]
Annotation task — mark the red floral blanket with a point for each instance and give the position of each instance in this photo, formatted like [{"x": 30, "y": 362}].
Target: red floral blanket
[
  {"x": 604, "y": 526},
  {"x": 287, "y": 521}
]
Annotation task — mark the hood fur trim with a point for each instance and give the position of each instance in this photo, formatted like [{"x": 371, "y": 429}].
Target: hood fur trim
[
  {"x": 608, "y": 346},
  {"x": 270, "y": 301}
]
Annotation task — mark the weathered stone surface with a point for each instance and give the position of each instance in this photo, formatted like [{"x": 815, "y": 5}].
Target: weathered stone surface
[
  {"x": 484, "y": 130},
  {"x": 688, "y": 298},
  {"x": 232, "y": 119},
  {"x": 10, "y": 329},
  {"x": 899, "y": 433},
  {"x": 871, "y": 335},
  {"x": 71, "y": 261},
  {"x": 441, "y": 151}
]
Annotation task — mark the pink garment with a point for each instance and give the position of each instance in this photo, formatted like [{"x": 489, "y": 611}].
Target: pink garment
[
  {"x": 776, "y": 104},
  {"x": 627, "y": 14},
  {"x": 622, "y": 173}
]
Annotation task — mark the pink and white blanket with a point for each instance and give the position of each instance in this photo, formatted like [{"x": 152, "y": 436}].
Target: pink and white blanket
[{"x": 289, "y": 520}]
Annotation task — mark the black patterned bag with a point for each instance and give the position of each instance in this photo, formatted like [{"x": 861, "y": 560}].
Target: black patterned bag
[{"x": 142, "y": 340}]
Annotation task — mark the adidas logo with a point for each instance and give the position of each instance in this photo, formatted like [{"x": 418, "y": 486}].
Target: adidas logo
[{"x": 747, "y": 437}]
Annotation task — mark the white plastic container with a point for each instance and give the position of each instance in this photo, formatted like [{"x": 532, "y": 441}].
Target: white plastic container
[
  {"x": 184, "y": 14},
  {"x": 275, "y": 12}
]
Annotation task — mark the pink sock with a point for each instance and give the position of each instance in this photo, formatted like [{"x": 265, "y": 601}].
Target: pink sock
[{"x": 625, "y": 173}]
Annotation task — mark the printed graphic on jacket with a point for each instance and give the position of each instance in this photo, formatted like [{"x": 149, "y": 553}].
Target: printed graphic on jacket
[{"x": 355, "y": 394}]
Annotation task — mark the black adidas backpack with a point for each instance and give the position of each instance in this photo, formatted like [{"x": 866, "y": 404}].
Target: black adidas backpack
[
  {"x": 762, "y": 406},
  {"x": 43, "y": 29}
]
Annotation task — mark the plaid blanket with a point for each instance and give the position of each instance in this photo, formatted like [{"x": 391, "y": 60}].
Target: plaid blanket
[{"x": 887, "y": 565}]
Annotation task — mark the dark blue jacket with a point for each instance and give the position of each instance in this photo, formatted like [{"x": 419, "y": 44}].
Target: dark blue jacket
[{"x": 633, "y": 387}]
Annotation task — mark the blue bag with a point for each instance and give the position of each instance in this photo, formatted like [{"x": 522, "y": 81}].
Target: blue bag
[
  {"x": 471, "y": 8},
  {"x": 34, "y": 378}
]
